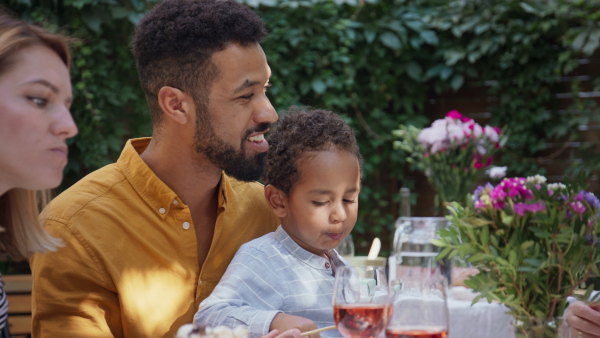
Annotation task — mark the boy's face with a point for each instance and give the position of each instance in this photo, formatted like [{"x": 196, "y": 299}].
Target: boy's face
[{"x": 321, "y": 207}]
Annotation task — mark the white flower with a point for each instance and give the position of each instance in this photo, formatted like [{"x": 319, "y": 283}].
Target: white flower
[
  {"x": 537, "y": 179},
  {"x": 491, "y": 134},
  {"x": 496, "y": 172},
  {"x": 556, "y": 186}
]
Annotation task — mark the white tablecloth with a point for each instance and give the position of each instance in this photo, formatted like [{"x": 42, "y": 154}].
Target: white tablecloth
[{"x": 482, "y": 320}]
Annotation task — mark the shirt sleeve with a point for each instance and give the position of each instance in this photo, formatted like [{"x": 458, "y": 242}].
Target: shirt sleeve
[
  {"x": 71, "y": 296},
  {"x": 249, "y": 295}
]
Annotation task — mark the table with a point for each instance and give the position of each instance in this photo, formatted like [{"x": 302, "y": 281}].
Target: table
[{"x": 478, "y": 321}]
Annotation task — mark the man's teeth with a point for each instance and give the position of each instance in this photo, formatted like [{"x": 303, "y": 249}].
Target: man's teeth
[{"x": 257, "y": 138}]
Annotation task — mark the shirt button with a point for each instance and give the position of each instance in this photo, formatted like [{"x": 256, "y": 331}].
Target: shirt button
[
  {"x": 186, "y": 225},
  {"x": 175, "y": 202},
  {"x": 200, "y": 282},
  {"x": 327, "y": 265},
  {"x": 162, "y": 210}
]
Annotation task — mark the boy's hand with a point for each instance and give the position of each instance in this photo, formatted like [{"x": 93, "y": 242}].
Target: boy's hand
[
  {"x": 283, "y": 322},
  {"x": 294, "y": 333}
]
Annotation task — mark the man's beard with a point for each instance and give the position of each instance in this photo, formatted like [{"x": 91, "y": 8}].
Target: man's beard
[{"x": 235, "y": 163}]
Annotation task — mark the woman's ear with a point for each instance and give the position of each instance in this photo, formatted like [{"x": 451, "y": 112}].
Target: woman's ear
[
  {"x": 277, "y": 200},
  {"x": 175, "y": 104}
]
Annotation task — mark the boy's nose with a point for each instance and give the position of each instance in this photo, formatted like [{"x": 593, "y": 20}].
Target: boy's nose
[{"x": 338, "y": 214}]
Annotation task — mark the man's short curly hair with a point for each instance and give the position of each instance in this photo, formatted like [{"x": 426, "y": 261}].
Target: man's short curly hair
[
  {"x": 174, "y": 42},
  {"x": 301, "y": 130}
]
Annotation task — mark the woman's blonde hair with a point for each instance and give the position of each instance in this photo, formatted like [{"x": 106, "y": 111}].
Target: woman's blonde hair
[{"x": 19, "y": 208}]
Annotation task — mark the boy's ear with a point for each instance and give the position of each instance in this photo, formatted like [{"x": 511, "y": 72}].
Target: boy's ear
[
  {"x": 277, "y": 200},
  {"x": 175, "y": 104}
]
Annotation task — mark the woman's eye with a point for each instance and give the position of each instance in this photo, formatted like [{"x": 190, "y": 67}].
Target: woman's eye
[{"x": 38, "y": 101}]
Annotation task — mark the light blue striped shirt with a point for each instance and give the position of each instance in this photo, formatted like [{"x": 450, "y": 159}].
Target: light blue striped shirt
[{"x": 268, "y": 275}]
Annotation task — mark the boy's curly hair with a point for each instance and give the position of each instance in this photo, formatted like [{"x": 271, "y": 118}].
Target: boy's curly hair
[
  {"x": 301, "y": 130},
  {"x": 174, "y": 42}
]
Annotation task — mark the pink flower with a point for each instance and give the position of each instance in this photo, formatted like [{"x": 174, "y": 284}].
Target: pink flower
[
  {"x": 488, "y": 161},
  {"x": 577, "y": 207},
  {"x": 497, "y": 130},
  {"x": 477, "y": 165},
  {"x": 465, "y": 119},
  {"x": 521, "y": 208},
  {"x": 454, "y": 114}
]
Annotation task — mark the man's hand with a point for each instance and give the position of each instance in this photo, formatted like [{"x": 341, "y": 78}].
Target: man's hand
[
  {"x": 283, "y": 322},
  {"x": 584, "y": 320}
]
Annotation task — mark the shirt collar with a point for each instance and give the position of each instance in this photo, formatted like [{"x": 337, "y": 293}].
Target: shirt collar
[
  {"x": 150, "y": 187},
  {"x": 314, "y": 261}
]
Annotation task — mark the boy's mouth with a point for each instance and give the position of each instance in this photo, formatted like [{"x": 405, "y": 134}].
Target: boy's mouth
[{"x": 334, "y": 236}]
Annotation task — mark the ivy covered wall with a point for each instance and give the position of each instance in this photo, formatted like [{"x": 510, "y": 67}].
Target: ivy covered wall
[{"x": 380, "y": 63}]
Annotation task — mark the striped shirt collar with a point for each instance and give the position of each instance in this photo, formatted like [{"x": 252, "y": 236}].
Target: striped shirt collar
[{"x": 302, "y": 254}]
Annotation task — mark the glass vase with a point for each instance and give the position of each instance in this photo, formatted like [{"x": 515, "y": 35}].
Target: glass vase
[{"x": 528, "y": 327}]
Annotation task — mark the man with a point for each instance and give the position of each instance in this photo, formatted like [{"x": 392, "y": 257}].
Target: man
[{"x": 147, "y": 238}]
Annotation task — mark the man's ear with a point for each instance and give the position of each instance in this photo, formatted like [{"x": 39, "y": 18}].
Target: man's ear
[
  {"x": 277, "y": 200},
  {"x": 175, "y": 104}
]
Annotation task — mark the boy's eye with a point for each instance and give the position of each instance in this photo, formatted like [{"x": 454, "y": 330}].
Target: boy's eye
[{"x": 319, "y": 204}]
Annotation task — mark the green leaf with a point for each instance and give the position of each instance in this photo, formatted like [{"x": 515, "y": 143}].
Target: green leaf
[
  {"x": 452, "y": 56},
  {"x": 430, "y": 37},
  {"x": 457, "y": 81},
  {"x": 414, "y": 70},
  {"x": 318, "y": 86},
  {"x": 506, "y": 218},
  {"x": 370, "y": 36},
  {"x": 390, "y": 40},
  {"x": 579, "y": 41},
  {"x": 528, "y": 8}
]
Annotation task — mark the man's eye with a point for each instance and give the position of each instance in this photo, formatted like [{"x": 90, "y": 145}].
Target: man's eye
[
  {"x": 246, "y": 97},
  {"x": 267, "y": 87}
]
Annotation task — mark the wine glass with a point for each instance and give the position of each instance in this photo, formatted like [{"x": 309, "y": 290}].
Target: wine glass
[
  {"x": 419, "y": 308},
  {"x": 360, "y": 301}
]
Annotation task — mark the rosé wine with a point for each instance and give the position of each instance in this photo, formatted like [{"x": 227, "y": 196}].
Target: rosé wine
[
  {"x": 392, "y": 332},
  {"x": 360, "y": 320}
]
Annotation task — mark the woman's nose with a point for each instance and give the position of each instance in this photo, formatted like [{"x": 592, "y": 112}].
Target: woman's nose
[{"x": 63, "y": 125}]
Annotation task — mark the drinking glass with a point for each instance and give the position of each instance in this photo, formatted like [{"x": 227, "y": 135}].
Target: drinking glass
[
  {"x": 419, "y": 308},
  {"x": 346, "y": 247},
  {"x": 360, "y": 301}
]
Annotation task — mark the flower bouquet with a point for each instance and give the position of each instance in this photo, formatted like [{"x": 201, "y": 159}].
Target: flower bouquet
[
  {"x": 451, "y": 152},
  {"x": 533, "y": 243}
]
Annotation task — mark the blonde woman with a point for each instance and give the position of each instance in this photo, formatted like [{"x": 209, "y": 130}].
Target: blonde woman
[{"x": 35, "y": 122}]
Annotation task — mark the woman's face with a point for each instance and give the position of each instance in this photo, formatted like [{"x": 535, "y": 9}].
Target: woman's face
[{"x": 35, "y": 121}]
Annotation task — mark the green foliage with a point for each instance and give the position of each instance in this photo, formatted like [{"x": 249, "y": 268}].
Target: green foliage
[
  {"x": 374, "y": 61},
  {"x": 378, "y": 61},
  {"x": 533, "y": 243}
]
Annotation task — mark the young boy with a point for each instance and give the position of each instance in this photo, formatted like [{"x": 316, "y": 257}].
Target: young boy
[{"x": 285, "y": 279}]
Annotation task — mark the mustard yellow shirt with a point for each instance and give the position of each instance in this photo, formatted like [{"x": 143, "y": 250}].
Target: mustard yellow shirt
[{"x": 129, "y": 267}]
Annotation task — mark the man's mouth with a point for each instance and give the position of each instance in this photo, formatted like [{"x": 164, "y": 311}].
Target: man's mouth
[{"x": 256, "y": 138}]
